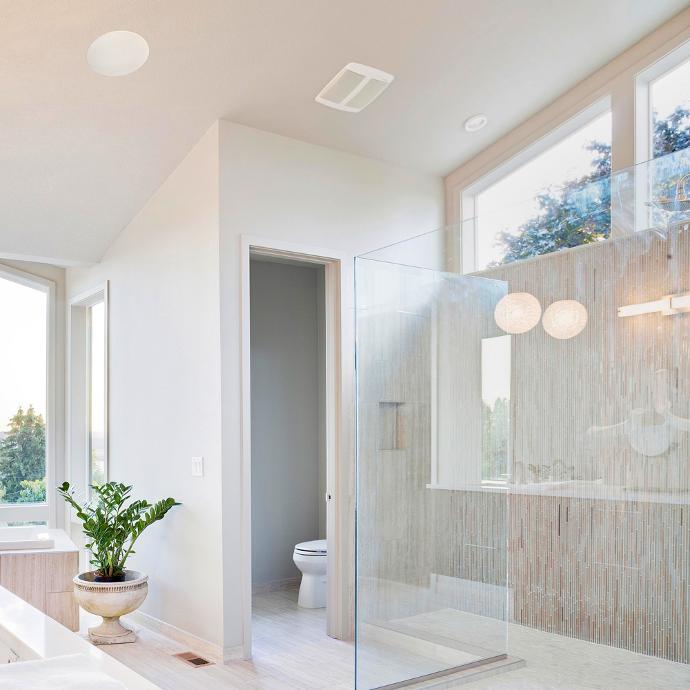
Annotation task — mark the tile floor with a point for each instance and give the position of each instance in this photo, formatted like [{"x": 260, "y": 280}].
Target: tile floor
[{"x": 291, "y": 652}]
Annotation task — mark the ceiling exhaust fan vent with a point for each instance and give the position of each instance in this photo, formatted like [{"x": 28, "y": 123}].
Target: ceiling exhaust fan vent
[{"x": 354, "y": 88}]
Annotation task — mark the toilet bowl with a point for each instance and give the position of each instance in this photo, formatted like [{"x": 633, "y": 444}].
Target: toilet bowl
[{"x": 310, "y": 557}]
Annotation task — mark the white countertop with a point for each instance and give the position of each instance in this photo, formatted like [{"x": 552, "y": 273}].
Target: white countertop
[
  {"x": 34, "y": 635},
  {"x": 61, "y": 543},
  {"x": 72, "y": 672}
]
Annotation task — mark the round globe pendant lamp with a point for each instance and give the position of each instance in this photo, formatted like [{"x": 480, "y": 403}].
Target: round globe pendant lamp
[
  {"x": 517, "y": 312},
  {"x": 565, "y": 319}
]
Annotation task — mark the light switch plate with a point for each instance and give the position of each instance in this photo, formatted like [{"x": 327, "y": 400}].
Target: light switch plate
[{"x": 197, "y": 467}]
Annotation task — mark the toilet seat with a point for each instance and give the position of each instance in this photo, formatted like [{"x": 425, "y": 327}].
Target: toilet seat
[{"x": 312, "y": 548}]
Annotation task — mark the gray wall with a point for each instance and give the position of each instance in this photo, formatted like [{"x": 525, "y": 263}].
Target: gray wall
[{"x": 286, "y": 442}]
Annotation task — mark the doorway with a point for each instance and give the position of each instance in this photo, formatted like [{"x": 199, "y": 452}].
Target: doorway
[
  {"x": 297, "y": 452},
  {"x": 287, "y": 322}
]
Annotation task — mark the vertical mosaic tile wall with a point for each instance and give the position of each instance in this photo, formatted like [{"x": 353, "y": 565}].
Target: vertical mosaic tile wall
[
  {"x": 597, "y": 521},
  {"x": 604, "y": 418},
  {"x": 612, "y": 572}
]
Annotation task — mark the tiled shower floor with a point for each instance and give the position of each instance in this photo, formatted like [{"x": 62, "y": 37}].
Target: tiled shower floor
[
  {"x": 551, "y": 661},
  {"x": 555, "y": 662}
]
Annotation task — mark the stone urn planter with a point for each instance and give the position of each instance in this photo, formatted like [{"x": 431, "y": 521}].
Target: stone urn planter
[
  {"x": 110, "y": 600},
  {"x": 112, "y": 521}
]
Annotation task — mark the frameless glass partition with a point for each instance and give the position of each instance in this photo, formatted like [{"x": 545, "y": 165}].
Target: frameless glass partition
[
  {"x": 524, "y": 444},
  {"x": 432, "y": 562}
]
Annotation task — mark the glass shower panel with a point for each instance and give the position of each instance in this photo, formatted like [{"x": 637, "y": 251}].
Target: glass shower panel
[
  {"x": 538, "y": 408},
  {"x": 431, "y": 584},
  {"x": 599, "y": 450}
]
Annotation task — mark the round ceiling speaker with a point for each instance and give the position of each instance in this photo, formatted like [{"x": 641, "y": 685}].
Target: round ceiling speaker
[
  {"x": 117, "y": 53},
  {"x": 517, "y": 312},
  {"x": 565, "y": 319}
]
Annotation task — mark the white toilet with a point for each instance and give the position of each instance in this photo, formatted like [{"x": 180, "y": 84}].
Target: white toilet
[{"x": 310, "y": 557}]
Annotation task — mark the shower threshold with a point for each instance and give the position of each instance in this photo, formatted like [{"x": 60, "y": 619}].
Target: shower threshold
[{"x": 459, "y": 675}]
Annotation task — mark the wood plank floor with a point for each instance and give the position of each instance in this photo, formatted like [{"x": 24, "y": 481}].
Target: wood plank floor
[{"x": 291, "y": 652}]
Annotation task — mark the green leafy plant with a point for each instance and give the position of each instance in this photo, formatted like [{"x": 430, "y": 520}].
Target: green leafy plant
[{"x": 112, "y": 525}]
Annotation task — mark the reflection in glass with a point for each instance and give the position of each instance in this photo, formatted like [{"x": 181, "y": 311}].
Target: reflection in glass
[{"x": 496, "y": 408}]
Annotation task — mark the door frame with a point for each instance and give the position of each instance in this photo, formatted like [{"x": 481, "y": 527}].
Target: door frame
[{"x": 340, "y": 400}]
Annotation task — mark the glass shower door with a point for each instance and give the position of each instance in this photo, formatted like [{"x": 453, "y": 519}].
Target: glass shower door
[{"x": 433, "y": 434}]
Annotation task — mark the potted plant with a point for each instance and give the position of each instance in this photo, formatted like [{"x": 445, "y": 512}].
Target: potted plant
[{"x": 112, "y": 523}]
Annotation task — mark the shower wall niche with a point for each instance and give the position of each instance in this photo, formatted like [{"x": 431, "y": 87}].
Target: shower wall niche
[{"x": 520, "y": 464}]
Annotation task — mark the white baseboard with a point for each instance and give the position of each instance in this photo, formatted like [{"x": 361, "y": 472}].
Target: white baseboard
[{"x": 210, "y": 650}]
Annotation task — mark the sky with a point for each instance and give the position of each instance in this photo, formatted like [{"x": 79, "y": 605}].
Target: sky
[
  {"x": 23, "y": 353},
  {"x": 671, "y": 90},
  {"x": 97, "y": 314},
  {"x": 22, "y": 349}
]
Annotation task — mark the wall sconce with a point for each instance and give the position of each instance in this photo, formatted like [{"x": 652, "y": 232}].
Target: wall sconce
[
  {"x": 680, "y": 303},
  {"x": 669, "y": 305}
]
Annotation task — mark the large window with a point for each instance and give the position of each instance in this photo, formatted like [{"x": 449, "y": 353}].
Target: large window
[
  {"x": 97, "y": 362},
  {"x": 24, "y": 312},
  {"x": 88, "y": 388},
  {"x": 551, "y": 201}
]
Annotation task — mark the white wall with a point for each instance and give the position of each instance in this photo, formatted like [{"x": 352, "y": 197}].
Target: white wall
[
  {"x": 285, "y": 190},
  {"x": 172, "y": 396},
  {"x": 165, "y": 385},
  {"x": 286, "y": 422}
]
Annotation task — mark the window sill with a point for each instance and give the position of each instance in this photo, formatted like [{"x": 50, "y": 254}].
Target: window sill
[{"x": 23, "y": 512}]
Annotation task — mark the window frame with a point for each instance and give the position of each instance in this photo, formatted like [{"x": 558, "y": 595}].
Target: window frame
[
  {"x": 79, "y": 386},
  {"x": 47, "y": 511},
  {"x": 468, "y": 195}
]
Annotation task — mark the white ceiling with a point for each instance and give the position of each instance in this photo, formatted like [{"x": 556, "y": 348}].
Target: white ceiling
[{"x": 80, "y": 154}]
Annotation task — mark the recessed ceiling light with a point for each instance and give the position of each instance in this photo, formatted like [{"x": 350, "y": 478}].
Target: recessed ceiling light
[
  {"x": 117, "y": 53},
  {"x": 476, "y": 122},
  {"x": 354, "y": 88}
]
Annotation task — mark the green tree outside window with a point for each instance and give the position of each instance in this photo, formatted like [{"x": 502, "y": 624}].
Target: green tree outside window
[{"x": 23, "y": 458}]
